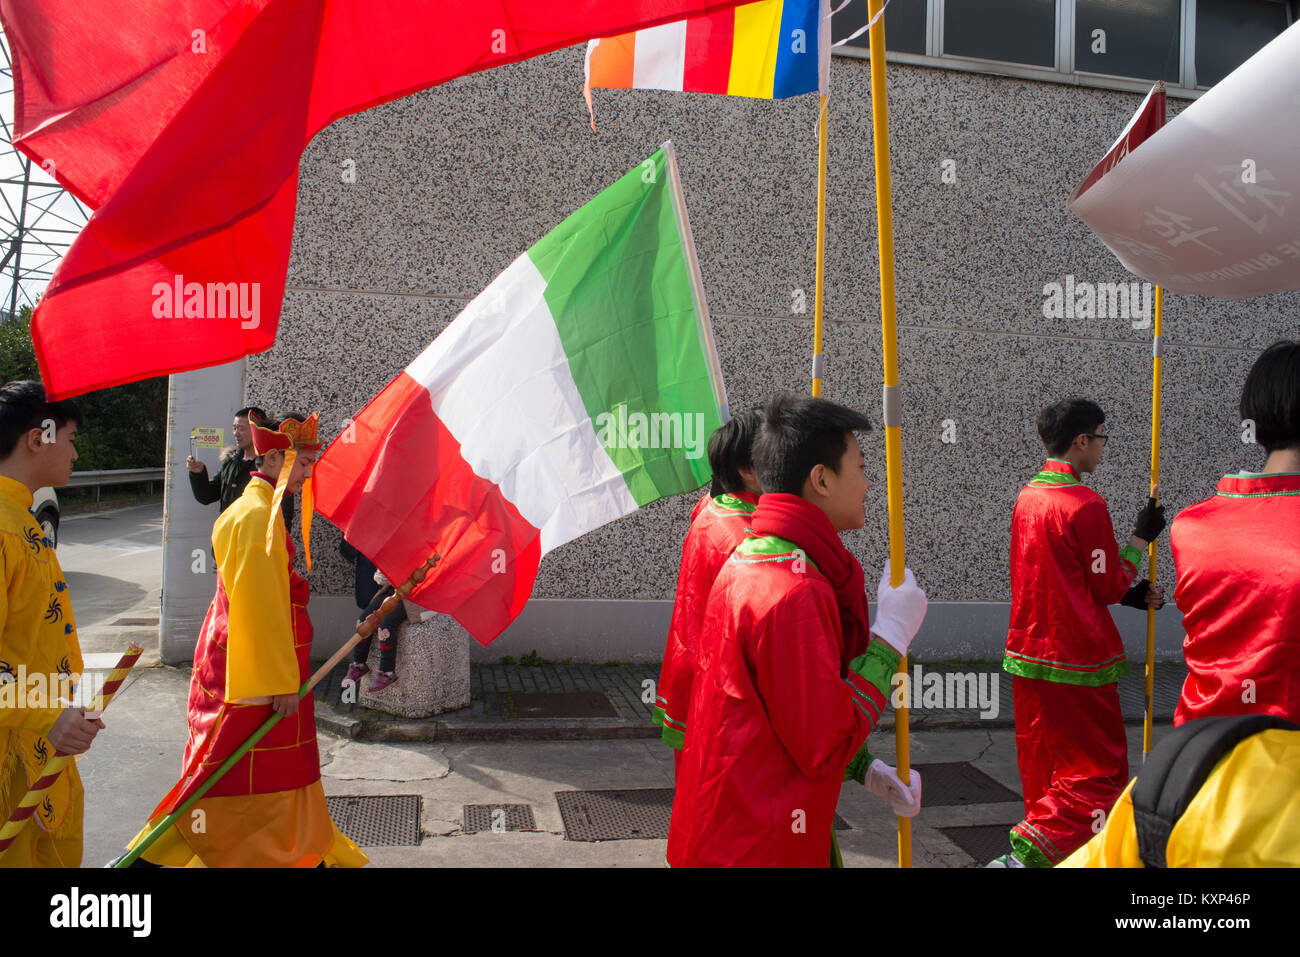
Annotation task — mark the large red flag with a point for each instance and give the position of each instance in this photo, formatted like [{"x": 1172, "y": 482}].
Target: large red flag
[{"x": 181, "y": 123}]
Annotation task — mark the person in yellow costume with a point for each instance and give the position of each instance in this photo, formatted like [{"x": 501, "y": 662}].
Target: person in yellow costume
[
  {"x": 40, "y": 658},
  {"x": 269, "y": 809},
  {"x": 1222, "y": 794}
]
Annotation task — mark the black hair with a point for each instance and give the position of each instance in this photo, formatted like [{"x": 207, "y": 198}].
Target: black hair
[
  {"x": 731, "y": 448},
  {"x": 1060, "y": 424},
  {"x": 800, "y": 432},
  {"x": 23, "y": 407},
  {"x": 243, "y": 413},
  {"x": 1271, "y": 396}
]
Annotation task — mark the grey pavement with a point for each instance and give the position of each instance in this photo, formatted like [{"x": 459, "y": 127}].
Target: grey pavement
[{"x": 137, "y": 759}]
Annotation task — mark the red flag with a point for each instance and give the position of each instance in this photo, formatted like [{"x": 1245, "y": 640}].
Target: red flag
[
  {"x": 1149, "y": 118},
  {"x": 181, "y": 123}
]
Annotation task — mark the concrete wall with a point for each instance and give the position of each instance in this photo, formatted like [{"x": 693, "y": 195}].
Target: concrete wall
[{"x": 452, "y": 184}]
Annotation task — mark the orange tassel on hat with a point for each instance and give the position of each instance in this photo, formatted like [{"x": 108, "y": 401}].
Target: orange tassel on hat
[{"x": 290, "y": 438}]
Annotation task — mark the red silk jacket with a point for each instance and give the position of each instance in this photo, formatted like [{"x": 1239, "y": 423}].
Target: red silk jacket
[
  {"x": 717, "y": 527},
  {"x": 1238, "y": 561},
  {"x": 1065, "y": 569},
  {"x": 773, "y": 725}
]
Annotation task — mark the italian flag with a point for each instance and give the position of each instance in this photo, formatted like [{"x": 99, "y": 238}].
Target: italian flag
[{"x": 582, "y": 384}]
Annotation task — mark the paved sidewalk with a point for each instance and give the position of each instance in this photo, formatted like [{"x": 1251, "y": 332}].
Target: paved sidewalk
[
  {"x": 983, "y": 686},
  {"x": 138, "y": 757}
]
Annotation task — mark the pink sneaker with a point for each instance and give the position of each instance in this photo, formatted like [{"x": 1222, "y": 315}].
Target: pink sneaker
[
  {"x": 382, "y": 680},
  {"x": 355, "y": 673}
]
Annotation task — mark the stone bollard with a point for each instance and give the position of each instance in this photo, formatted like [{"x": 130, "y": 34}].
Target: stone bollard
[{"x": 432, "y": 667}]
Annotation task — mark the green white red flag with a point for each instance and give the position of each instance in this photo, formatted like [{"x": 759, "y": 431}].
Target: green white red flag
[{"x": 582, "y": 384}]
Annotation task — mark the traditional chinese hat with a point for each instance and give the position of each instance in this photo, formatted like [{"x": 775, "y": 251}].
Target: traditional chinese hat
[{"x": 290, "y": 438}]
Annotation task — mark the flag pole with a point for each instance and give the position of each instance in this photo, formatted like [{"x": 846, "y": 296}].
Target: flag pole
[
  {"x": 364, "y": 631},
  {"x": 26, "y": 808},
  {"x": 823, "y": 110},
  {"x": 1156, "y": 359},
  {"x": 893, "y": 414}
]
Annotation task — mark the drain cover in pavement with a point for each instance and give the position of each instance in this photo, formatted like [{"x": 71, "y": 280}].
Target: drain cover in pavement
[
  {"x": 623, "y": 815},
  {"x": 574, "y": 704},
  {"x": 506, "y": 817},
  {"x": 983, "y": 843},
  {"x": 378, "y": 820},
  {"x": 136, "y": 621},
  {"x": 949, "y": 784},
  {"x": 615, "y": 815}
]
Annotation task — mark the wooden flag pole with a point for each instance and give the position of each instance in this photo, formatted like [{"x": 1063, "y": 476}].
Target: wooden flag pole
[
  {"x": 892, "y": 406},
  {"x": 364, "y": 631},
  {"x": 1156, "y": 359},
  {"x": 823, "y": 110}
]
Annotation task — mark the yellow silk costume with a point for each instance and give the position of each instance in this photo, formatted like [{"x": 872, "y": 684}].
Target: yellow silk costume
[
  {"x": 1245, "y": 815},
  {"x": 269, "y": 810},
  {"x": 39, "y": 661}
]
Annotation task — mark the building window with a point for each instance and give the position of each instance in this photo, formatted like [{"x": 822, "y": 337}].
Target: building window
[
  {"x": 906, "y": 25},
  {"x": 1230, "y": 32},
  {"x": 1123, "y": 38},
  {"x": 1013, "y": 31}
]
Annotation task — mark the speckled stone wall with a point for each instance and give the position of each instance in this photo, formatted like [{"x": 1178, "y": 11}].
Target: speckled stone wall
[{"x": 453, "y": 183}]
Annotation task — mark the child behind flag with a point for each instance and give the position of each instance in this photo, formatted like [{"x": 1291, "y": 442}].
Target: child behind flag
[
  {"x": 1063, "y": 650},
  {"x": 790, "y": 679},
  {"x": 717, "y": 526},
  {"x": 1238, "y": 560}
]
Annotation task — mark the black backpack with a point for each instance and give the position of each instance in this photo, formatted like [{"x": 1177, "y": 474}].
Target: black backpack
[{"x": 1178, "y": 766}]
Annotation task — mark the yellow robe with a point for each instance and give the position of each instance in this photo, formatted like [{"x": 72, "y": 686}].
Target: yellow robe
[
  {"x": 1245, "y": 815},
  {"x": 40, "y": 660},
  {"x": 259, "y": 618}
]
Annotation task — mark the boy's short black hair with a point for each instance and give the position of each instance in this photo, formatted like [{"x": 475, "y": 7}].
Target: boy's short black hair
[
  {"x": 731, "y": 448},
  {"x": 1271, "y": 396},
  {"x": 243, "y": 413},
  {"x": 23, "y": 407},
  {"x": 1060, "y": 424},
  {"x": 800, "y": 432}
]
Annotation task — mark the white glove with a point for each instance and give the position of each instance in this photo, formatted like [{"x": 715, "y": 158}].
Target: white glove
[
  {"x": 899, "y": 611},
  {"x": 882, "y": 780},
  {"x": 380, "y": 580}
]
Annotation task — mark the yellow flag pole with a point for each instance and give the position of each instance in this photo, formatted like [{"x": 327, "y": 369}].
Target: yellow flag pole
[
  {"x": 821, "y": 246},
  {"x": 1156, "y": 360},
  {"x": 892, "y": 405}
]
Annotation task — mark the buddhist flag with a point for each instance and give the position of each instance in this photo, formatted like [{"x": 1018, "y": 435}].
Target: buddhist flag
[
  {"x": 582, "y": 384},
  {"x": 771, "y": 49}
]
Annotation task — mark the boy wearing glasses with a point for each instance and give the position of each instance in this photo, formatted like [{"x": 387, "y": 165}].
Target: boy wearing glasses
[{"x": 1063, "y": 650}]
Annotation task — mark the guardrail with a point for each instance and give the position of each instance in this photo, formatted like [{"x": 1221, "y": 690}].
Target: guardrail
[{"x": 97, "y": 480}]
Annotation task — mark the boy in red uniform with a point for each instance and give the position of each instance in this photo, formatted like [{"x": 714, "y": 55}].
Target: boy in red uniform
[
  {"x": 717, "y": 526},
  {"x": 1238, "y": 560},
  {"x": 1063, "y": 649},
  {"x": 790, "y": 680}
]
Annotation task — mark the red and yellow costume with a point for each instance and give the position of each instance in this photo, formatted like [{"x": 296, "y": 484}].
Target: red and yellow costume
[
  {"x": 39, "y": 659},
  {"x": 717, "y": 527},
  {"x": 269, "y": 809},
  {"x": 1066, "y": 655},
  {"x": 786, "y": 692},
  {"x": 1238, "y": 561}
]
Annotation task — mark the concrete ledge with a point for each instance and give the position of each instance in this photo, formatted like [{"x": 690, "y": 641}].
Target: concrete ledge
[{"x": 596, "y": 630}]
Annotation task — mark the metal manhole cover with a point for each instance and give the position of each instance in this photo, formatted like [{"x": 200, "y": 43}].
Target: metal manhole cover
[
  {"x": 958, "y": 783},
  {"x": 136, "y": 621},
  {"x": 378, "y": 820},
  {"x": 983, "y": 842},
  {"x": 637, "y": 814},
  {"x": 498, "y": 817},
  {"x": 623, "y": 815},
  {"x": 575, "y": 704}
]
